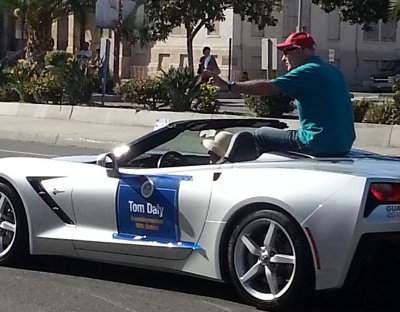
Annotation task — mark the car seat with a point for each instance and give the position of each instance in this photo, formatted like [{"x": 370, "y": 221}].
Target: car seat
[{"x": 242, "y": 147}]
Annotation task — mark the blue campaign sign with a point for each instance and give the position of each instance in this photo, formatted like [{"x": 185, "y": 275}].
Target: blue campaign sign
[{"x": 147, "y": 207}]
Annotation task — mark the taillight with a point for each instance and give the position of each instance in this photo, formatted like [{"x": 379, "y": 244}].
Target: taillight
[
  {"x": 386, "y": 192},
  {"x": 382, "y": 194}
]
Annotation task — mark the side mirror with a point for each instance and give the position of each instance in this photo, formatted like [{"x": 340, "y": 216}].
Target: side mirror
[{"x": 109, "y": 161}]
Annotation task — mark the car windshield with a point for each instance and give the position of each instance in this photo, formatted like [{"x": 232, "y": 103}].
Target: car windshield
[
  {"x": 187, "y": 148},
  {"x": 190, "y": 142},
  {"x": 187, "y": 142}
]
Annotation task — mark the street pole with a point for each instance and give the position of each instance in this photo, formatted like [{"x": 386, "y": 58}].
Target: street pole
[
  {"x": 300, "y": 16},
  {"x": 117, "y": 41}
]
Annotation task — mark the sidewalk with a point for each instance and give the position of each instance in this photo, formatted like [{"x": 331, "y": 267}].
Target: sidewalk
[{"x": 107, "y": 127}]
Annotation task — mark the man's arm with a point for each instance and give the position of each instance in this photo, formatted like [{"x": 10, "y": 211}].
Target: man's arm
[
  {"x": 251, "y": 87},
  {"x": 256, "y": 87}
]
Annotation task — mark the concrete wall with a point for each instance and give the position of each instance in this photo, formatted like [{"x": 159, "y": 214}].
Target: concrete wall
[{"x": 88, "y": 125}]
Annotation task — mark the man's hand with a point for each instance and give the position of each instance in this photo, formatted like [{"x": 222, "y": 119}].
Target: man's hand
[
  {"x": 251, "y": 87},
  {"x": 214, "y": 79}
]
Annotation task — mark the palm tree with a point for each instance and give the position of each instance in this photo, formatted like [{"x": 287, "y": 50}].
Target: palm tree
[{"x": 394, "y": 9}]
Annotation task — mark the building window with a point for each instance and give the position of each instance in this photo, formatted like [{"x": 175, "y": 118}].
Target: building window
[
  {"x": 183, "y": 60},
  {"x": 388, "y": 31},
  {"x": 334, "y": 26},
  {"x": 163, "y": 61},
  {"x": 372, "y": 34},
  {"x": 255, "y": 31},
  {"x": 383, "y": 32},
  {"x": 215, "y": 32}
]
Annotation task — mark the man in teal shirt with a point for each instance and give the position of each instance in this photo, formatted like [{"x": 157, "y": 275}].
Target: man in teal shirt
[{"x": 321, "y": 96}]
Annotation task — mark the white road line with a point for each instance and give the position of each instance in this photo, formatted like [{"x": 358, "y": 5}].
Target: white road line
[{"x": 27, "y": 153}]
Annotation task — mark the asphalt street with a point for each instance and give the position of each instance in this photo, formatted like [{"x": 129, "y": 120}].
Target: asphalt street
[{"x": 47, "y": 284}]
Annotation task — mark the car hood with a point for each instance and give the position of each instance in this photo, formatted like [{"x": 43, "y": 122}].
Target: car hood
[
  {"x": 87, "y": 159},
  {"x": 30, "y": 167}
]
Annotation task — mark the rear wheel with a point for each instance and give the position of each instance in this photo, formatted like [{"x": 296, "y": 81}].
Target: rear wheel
[
  {"x": 269, "y": 261},
  {"x": 13, "y": 227}
]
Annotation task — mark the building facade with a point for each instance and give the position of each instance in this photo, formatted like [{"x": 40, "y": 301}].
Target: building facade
[{"x": 356, "y": 52}]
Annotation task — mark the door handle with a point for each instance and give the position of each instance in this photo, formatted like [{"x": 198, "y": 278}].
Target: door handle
[{"x": 55, "y": 191}]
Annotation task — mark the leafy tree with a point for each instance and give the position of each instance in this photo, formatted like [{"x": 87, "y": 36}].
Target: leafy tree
[
  {"x": 394, "y": 9},
  {"x": 358, "y": 11},
  {"x": 134, "y": 26},
  {"x": 165, "y": 15},
  {"x": 38, "y": 16}
]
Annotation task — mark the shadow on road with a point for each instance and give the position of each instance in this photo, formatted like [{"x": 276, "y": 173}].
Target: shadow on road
[{"x": 375, "y": 293}]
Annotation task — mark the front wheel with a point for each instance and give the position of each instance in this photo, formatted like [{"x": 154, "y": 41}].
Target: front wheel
[
  {"x": 269, "y": 261},
  {"x": 13, "y": 227}
]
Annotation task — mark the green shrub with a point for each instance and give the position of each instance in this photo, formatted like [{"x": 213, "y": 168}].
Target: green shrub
[
  {"x": 23, "y": 78},
  {"x": 396, "y": 90},
  {"x": 6, "y": 92},
  {"x": 48, "y": 88},
  {"x": 79, "y": 82},
  {"x": 387, "y": 113},
  {"x": 4, "y": 75},
  {"x": 180, "y": 88},
  {"x": 58, "y": 58},
  {"x": 360, "y": 108},
  {"x": 206, "y": 101},
  {"x": 144, "y": 92},
  {"x": 269, "y": 106}
]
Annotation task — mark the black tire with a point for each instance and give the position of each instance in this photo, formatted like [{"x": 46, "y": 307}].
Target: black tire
[
  {"x": 297, "y": 279},
  {"x": 18, "y": 247}
]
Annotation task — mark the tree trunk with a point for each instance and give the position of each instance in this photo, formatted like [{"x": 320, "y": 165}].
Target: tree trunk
[{"x": 189, "y": 46}]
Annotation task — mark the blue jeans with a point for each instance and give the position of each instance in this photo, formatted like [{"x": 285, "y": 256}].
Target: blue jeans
[{"x": 271, "y": 139}]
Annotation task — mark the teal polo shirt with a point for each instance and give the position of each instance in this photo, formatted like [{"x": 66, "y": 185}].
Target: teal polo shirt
[{"x": 324, "y": 106}]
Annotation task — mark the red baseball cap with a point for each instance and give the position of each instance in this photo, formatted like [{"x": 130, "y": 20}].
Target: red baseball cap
[{"x": 297, "y": 40}]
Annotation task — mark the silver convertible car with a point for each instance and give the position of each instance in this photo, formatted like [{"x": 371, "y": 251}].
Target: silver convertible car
[{"x": 278, "y": 226}]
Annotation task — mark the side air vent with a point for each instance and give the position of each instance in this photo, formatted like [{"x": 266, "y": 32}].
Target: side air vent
[{"x": 40, "y": 190}]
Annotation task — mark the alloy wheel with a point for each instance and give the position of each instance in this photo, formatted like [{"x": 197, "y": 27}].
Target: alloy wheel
[
  {"x": 8, "y": 225},
  {"x": 265, "y": 259}
]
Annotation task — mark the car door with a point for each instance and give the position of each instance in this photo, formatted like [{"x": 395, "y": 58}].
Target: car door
[{"x": 143, "y": 212}]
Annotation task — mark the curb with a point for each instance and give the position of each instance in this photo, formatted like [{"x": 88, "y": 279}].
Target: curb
[{"x": 368, "y": 135}]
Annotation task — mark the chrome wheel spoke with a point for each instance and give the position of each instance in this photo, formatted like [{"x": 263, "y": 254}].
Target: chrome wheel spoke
[
  {"x": 2, "y": 205},
  {"x": 283, "y": 259},
  {"x": 251, "y": 246},
  {"x": 254, "y": 270},
  {"x": 269, "y": 235},
  {"x": 272, "y": 282},
  {"x": 7, "y": 226}
]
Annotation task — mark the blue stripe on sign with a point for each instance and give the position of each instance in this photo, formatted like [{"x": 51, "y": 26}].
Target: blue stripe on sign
[{"x": 154, "y": 218}]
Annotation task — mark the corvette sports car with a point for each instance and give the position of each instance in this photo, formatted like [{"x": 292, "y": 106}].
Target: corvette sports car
[{"x": 278, "y": 226}]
